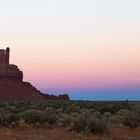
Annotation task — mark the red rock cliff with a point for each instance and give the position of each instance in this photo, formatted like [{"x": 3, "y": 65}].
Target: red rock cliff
[{"x": 12, "y": 86}]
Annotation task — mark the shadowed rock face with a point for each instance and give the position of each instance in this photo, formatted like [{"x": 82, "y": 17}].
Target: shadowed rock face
[
  {"x": 12, "y": 86},
  {"x": 15, "y": 90},
  {"x": 8, "y": 71}
]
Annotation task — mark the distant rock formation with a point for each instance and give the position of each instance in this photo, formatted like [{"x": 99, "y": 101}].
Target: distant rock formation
[{"x": 12, "y": 86}]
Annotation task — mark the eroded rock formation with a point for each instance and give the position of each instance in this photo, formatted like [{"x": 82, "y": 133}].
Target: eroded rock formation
[
  {"x": 12, "y": 86},
  {"x": 8, "y": 71}
]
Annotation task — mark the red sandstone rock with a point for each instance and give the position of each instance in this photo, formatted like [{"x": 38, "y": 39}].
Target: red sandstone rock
[
  {"x": 63, "y": 97},
  {"x": 12, "y": 86},
  {"x": 8, "y": 71}
]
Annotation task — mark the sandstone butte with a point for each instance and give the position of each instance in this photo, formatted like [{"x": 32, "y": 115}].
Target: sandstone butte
[{"x": 12, "y": 86}]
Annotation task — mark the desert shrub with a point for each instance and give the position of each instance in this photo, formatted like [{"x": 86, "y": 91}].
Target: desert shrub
[
  {"x": 131, "y": 120},
  {"x": 97, "y": 126},
  {"x": 7, "y": 118},
  {"x": 59, "y": 110},
  {"x": 3, "y": 103},
  {"x": 114, "y": 107},
  {"x": 49, "y": 115},
  {"x": 84, "y": 110},
  {"x": 79, "y": 122},
  {"x": 64, "y": 119},
  {"x": 1, "y": 118},
  {"x": 118, "y": 117},
  {"x": 96, "y": 114},
  {"x": 107, "y": 114},
  {"x": 23, "y": 124},
  {"x": 114, "y": 119},
  {"x": 9, "y": 108},
  {"x": 31, "y": 116},
  {"x": 1, "y": 110},
  {"x": 37, "y": 105},
  {"x": 74, "y": 114},
  {"x": 53, "y": 104},
  {"x": 19, "y": 109},
  {"x": 122, "y": 112},
  {"x": 87, "y": 122},
  {"x": 68, "y": 109},
  {"x": 106, "y": 109},
  {"x": 92, "y": 110},
  {"x": 49, "y": 109}
]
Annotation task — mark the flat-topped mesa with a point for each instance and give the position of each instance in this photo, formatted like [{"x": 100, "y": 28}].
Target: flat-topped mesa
[{"x": 8, "y": 71}]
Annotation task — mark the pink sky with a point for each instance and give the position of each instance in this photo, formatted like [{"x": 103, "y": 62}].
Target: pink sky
[{"x": 73, "y": 44}]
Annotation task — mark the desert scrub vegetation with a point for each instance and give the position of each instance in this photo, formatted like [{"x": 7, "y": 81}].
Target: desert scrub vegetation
[
  {"x": 88, "y": 122},
  {"x": 80, "y": 116},
  {"x": 64, "y": 120},
  {"x": 131, "y": 119}
]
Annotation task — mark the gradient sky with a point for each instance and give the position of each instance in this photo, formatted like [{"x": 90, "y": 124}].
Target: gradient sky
[{"x": 73, "y": 43}]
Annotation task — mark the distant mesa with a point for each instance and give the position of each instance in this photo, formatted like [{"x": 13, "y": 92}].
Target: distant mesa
[{"x": 12, "y": 86}]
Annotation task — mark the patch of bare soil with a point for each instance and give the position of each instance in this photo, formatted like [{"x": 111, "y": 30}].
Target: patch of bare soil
[
  {"x": 122, "y": 133},
  {"x": 115, "y": 133},
  {"x": 37, "y": 134}
]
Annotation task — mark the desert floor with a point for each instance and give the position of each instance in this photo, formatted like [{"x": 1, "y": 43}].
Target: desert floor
[{"x": 116, "y": 133}]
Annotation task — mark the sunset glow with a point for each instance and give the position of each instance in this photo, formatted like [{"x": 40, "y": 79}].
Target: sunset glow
[{"x": 88, "y": 44}]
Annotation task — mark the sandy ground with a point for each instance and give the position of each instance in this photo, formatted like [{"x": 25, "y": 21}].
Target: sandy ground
[{"x": 116, "y": 133}]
